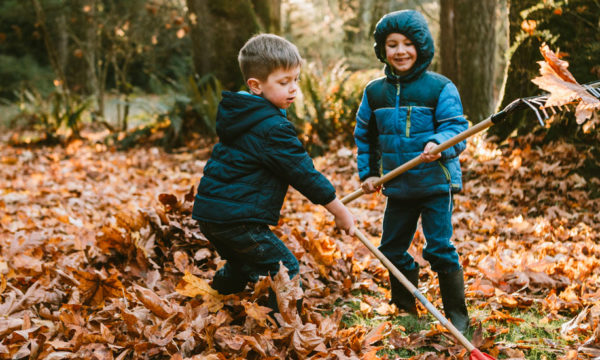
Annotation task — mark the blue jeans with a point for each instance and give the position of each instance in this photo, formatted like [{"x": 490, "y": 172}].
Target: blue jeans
[
  {"x": 399, "y": 226},
  {"x": 251, "y": 250}
]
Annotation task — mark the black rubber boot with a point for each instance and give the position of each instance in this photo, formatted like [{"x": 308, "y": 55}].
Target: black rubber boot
[
  {"x": 401, "y": 297},
  {"x": 452, "y": 287}
]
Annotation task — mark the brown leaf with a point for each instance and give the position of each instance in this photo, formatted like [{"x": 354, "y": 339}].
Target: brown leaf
[
  {"x": 193, "y": 286},
  {"x": 256, "y": 312},
  {"x": 378, "y": 333},
  {"x": 559, "y": 66},
  {"x": 563, "y": 88},
  {"x": 288, "y": 291},
  {"x": 153, "y": 302},
  {"x": 230, "y": 338},
  {"x": 305, "y": 338},
  {"x": 479, "y": 341},
  {"x": 96, "y": 286},
  {"x": 169, "y": 201}
]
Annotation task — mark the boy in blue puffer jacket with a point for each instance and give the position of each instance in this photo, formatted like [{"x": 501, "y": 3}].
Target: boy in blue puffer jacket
[
  {"x": 248, "y": 174},
  {"x": 403, "y": 115}
]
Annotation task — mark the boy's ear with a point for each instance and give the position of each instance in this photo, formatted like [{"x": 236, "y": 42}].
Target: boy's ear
[{"x": 255, "y": 86}]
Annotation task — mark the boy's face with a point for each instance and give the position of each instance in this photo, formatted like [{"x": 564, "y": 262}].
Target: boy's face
[
  {"x": 400, "y": 52},
  {"x": 280, "y": 88}
]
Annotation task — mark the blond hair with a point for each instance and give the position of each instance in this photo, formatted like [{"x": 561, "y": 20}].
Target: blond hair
[{"x": 265, "y": 53}]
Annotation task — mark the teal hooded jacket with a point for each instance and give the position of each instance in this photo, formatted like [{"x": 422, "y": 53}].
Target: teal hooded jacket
[
  {"x": 251, "y": 167},
  {"x": 399, "y": 115}
]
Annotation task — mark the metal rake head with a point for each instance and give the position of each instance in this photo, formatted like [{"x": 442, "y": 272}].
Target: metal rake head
[{"x": 537, "y": 103}]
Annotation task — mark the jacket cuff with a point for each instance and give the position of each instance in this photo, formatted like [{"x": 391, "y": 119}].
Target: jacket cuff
[{"x": 368, "y": 175}]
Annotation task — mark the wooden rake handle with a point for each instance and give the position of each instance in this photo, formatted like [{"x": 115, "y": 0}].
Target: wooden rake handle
[
  {"x": 417, "y": 160},
  {"x": 407, "y": 284}
]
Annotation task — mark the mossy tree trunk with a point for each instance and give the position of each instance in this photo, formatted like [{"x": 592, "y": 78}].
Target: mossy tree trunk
[
  {"x": 571, "y": 27},
  {"x": 468, "y": 52},
  {"x": 522, "y": 67},
  {"x": 220, "y": 28}
]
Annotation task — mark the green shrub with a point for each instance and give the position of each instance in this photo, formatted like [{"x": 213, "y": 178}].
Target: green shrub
[
  {"x": 49, "y": 115},
  {"x": 326, "y": 111},
  {"x": 22, "y": 73},
  {"x": 194, "y": 110},
  {"x": 189, "y": 109}
]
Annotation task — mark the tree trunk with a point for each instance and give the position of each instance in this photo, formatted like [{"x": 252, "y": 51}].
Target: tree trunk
[
  {"x": 62, "y": 46},
  {"x": 358, "y": 34},
  {"x": 220, "y": 28},
  {"x": 521, "y": 68},
  {"x": 269, "y": 15},
  {"x": 468, "y": 52}
]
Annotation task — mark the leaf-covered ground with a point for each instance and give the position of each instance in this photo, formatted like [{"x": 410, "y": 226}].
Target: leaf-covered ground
[{"x": 99, "y": 259}]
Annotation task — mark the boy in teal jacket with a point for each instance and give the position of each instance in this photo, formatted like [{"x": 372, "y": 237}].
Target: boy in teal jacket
[
  {"x": 403, "y": 115},
  {"x": 251, "y": 167}
]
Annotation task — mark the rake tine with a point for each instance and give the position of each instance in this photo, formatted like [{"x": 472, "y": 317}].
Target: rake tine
[
  {"x": 593, "y": 91},
  {"x": 535, "y": 110},
  {"x": 540, "y": 104}
]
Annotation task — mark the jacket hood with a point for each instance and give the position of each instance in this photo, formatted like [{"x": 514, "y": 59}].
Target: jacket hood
[
  {"x": 240, "y": 111},
  {"x": 413, "y": 25}
]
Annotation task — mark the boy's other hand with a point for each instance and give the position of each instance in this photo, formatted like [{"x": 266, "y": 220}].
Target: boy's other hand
[
  {"x": 346, "y": 222},
  {"x": 368, "y": 186},
  {"x": 344, "y": 219},
  {"x": 426, "y": 155}
]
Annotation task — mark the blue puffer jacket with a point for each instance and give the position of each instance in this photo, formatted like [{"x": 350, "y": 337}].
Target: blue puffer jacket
[
  {"x": 258, "y": 157},
  {"x": 399, "y": 115}
]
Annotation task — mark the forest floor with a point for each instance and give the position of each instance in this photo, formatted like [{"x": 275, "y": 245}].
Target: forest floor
[{"x": 99, "y": 258}]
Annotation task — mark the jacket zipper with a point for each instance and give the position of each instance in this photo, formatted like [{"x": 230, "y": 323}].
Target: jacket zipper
[
  {"x": 445, "y": 170},
  {"x": 408, "y": 121},
  {"x": 449, "y": 179},
  {"x": 398, "y": 103}
]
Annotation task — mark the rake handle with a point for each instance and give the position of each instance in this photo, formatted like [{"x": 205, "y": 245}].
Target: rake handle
[
  {"x": 408, "y": 285},
  {"x": 417, "y": 160}
]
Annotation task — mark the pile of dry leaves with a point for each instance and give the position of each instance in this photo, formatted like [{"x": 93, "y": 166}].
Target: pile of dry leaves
[{"x": 99, "y": 258}]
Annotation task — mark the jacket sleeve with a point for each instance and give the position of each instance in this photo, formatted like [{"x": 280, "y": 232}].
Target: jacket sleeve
[
  {"x": 450, "y": 121},
  {"x": 367, "y": 141},
  {"x": 285, "y": 156}
]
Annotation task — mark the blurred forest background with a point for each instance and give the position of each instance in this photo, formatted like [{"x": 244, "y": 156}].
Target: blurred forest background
[{"x": 153, "y": 70}]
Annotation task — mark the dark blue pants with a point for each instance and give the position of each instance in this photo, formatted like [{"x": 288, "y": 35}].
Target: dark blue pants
[
  {"x": 399, "y": 226},
  {"x": 251, "y": 250}
]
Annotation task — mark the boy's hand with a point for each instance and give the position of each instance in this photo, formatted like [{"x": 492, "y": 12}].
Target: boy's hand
[
  {"x": 344, "y": 219},
  {"x": 345, "y": 222},
  {"x": 368, "y": 186},
  {"x": 426, "y": 156}
]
